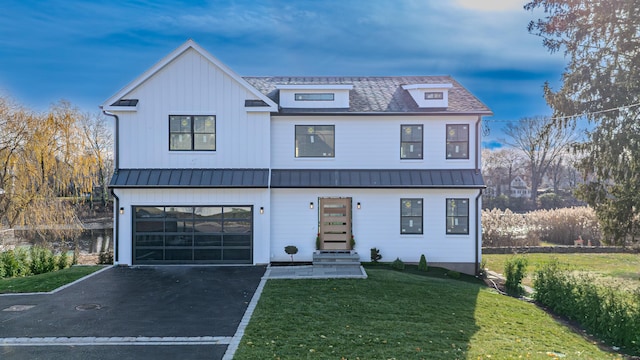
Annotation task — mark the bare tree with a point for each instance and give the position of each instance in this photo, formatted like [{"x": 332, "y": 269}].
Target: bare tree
[
  {"x": 99, "y": 142},
  {"x": 541, "y": 143}
]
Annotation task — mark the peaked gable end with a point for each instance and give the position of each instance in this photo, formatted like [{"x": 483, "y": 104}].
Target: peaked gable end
[{"x": 189, "y": 48}]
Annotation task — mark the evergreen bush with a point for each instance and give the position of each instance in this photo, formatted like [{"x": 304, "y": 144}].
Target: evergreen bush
[
  {"x": 375, "y": 255},
  {"x": 422, "y": 265},
  {"x": 515, "y": 269},
  {"x": 397, "y": 264}
]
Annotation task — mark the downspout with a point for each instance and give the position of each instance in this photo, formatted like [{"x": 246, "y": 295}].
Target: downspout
[
  {"x": 478, "y": 147},
  {"x": 116, "y": 168},
  {"x": 478, "y": 231}
]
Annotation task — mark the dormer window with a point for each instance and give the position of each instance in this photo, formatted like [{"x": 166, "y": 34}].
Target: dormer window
[
  {"x": 429, "y": 96},
  {"x": 433, "y": 95},
  {"x": 314, "y": 96}
]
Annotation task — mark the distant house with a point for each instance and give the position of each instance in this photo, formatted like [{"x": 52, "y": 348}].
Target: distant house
[
  {"x": 216, "y": 168},
  {"x": 519, "y": 188}
]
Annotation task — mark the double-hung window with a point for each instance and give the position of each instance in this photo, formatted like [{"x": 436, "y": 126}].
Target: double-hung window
[
  {"x": 411, "y": 216},
  {"x": 457, "y": 141},
  {"x": 315, "y": 141},
  {"x": 458, "y": 216},
  {"x": 411, "y": 141},
  {"x": 192, "y": 132}
]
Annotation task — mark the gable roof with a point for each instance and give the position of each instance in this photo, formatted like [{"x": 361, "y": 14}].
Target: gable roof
[
  {"x": 114, "y": 102},
  {"x": 377, "y": 94}
]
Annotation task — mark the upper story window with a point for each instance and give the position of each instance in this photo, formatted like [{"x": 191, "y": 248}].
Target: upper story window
[
  {"x": 434, "y": 95},
  {"x": 315, "y": 141},
  {"x": 410, "y": 216},
  {"x": 411, "y": 141},
  {"x": 192, "y": 132},
  {"x": 458, "y": 216},
  {"x": 457, "y": 141},
  {"x": 314, "y": 96}
]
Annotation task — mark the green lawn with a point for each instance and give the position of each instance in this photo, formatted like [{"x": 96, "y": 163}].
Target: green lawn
[
  {"x": 400, "y": 315},
  {"x": 45, "y": 282},
  {"x": 624, "y": 267}
]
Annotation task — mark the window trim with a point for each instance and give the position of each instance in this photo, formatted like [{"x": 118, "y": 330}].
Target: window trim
[
  {"x": 314, "y": 96},
  {"x": 402, "y": 200},
  {"x": 421, "y": 142},
  {"x": 447, "y": 217},
  {"x": 447, "y": 142},
  {"x": 295, "y": 146},
  {"x": 193, "y": 133}
]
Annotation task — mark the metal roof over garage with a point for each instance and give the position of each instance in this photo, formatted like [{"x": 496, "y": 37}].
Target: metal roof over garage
[
  {"x": 190, "y": 178},
  {"x": 360, "y": 178}
]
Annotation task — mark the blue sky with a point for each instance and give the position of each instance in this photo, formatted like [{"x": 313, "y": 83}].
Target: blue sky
[{"x": 85, "y": 51}]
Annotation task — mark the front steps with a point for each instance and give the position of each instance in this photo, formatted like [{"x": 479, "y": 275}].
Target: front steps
[{"x": 336, "y": 258}]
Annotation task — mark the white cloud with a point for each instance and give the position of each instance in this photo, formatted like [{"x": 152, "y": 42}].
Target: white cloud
[{"x": 491, "y": 5}]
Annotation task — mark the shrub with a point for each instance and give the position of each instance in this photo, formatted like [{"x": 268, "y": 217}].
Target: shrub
[
  {"x": 105, "y": 258},
  {"x": 15, "y": 262},
  {"x": 375, "y": 255},
  {"x": 352, "y": 242},
  {"x": 503, "y": 228},
  {"x": 397, "y": 264},
  {"x": 318, "y": 243},
  {"x": 453, "y": 274},
  {"x": 482, "y": 271},
  {"x": 422, "y": 265},
  {"x": 62, "y": 261},
  {"x": 515, "y": 269},
  {"x": 42, "y": 260},
  {"x": 291, "y": 250},
  {"x": 609, "y": 312}
]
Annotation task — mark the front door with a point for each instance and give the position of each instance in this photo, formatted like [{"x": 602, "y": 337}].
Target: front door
[{"x": 335, "y": 224}]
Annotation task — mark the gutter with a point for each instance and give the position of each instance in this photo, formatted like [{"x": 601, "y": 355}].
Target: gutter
[
  {"x": 116, "y": 168},
  {"x": 478, "y": 231}
]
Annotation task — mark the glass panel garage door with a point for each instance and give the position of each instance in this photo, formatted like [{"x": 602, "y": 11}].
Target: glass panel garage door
[{"x": 192, "y": 235}]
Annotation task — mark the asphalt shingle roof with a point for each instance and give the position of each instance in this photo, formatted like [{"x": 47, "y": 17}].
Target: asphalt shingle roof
[{"x": 377, "y": 94}]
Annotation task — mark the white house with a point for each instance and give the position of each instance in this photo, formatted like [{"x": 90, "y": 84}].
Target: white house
[
  {"x": 519, "y": 188},
  {"x": 216, "y": 168}
]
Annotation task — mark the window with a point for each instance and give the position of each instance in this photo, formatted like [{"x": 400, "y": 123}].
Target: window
[
  {"x": 457, "y": 216},
  {"x": 314, "y": 96},
  {"x": 433, "y": 95},
  {"x": 315, "y": 140},
  {"x": 411, "y": 141},
  {"x": 192, "y": 133},
  {"x": 457, "y": 141},
  {"x": 410, "y": 216}
]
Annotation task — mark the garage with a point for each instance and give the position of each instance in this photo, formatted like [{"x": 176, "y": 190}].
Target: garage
[{"x": 192, "y": 234}]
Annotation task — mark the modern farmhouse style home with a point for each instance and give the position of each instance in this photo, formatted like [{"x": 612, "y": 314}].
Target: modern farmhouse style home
[{"x": 215, "y": 168}]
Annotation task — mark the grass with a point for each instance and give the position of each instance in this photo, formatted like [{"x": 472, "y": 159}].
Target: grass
[
  {"x": 621, "y": 267},
  {"x": 401, "y": 315},
  {"x": 45, "y": 282}
]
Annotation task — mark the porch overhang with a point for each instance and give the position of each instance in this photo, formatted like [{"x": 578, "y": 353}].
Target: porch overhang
[
  {"x": 190, "y": 178},
  {"x": 377, "y": 179}
]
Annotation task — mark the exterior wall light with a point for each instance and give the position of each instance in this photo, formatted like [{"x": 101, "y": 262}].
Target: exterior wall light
[
  {"x": 261, "y": 210},
  {"x": 358, "y": 206},
  {"x": 311, "y": 205},
  {"x": 121, "y": 211}
]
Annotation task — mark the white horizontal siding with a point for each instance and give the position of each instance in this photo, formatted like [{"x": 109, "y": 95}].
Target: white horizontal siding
[
  {"x": 370, "y": 142},
  {"x": 376, "y": 224},
  {"x": 191, "y": 85},
  {"x": 195, "y": 197}
]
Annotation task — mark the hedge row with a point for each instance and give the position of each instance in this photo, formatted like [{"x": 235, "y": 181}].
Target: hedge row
[
  {"x": 36, "y": 260},
  {"x": 610, "y": 312}
]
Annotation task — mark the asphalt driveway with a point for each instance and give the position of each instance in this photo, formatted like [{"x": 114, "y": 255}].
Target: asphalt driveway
[{"x": 164, "y": 312}]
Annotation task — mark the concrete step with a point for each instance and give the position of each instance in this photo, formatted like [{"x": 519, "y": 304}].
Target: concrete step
[{"x": 336, "y": 258}]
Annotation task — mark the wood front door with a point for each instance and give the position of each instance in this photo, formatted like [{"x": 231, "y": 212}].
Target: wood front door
[{"x": 335, "y": 224}]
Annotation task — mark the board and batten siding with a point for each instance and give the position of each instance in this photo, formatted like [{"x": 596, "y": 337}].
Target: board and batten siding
[
  {"x": 195, "y": 197},
  {"x": 370, "y": 142},
  {"x": 375, "y": 224},
  {"x": 191, "y": 85}
]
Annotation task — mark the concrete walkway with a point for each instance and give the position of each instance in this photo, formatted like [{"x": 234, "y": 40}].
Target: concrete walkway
[{"x": 316, "y": 272}]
